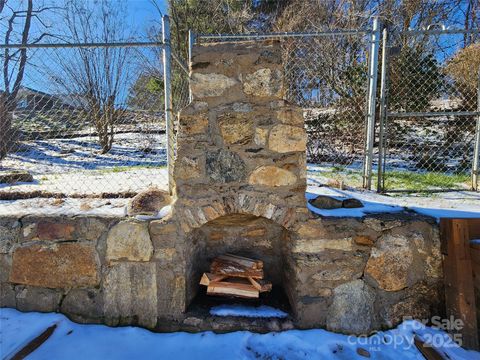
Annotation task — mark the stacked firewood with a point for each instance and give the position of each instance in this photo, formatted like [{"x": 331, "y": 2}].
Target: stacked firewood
[{"x": 235, "y": 276}]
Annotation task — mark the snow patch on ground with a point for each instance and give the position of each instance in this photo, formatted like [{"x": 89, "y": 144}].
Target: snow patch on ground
[
  {"x": 262, "y": 311},
  {"x": 74, "y": 341},
  {"x": 458, "y": 204},
  {"x": 369, "y": 207},
  {"x": 67, "y": 207}
]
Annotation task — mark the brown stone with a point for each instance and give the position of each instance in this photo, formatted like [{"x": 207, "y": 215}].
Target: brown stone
[
  {"x": 255, "y": 232},
  {"x": 272, "y": 176},
  {"x": 194, "y": 125},
  {"x": 363, "y": 240},
  {"x": 352, "y": 203},
  {"x": 49, "y": 230},
  {"x": 311, "y": 229},
  {"x": 208, "y": 85},
  {"x": 290, "y": 116},
  {"x": 187, "y": 168},
  {"x": 263, "y": 83},
  {"x": 63, "y": 265},
  {"x": 235, "y": 128},
  {"x": 286, "y": 138},
  {"x": 390, "y": 267},
  {"x": 129, "y": 240},
  {"x": 217, "y": 235},
  {"x": 326, "y": 202},
  {"x": 148, "y": 202}
]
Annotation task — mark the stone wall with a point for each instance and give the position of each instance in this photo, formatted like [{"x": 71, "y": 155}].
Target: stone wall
[
  {"x": 240, "y": 187},
  {"x": 348, "y": 275}
]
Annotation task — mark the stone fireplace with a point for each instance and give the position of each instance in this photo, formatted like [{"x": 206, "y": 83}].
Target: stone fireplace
[{"x": 240, "y": 182}]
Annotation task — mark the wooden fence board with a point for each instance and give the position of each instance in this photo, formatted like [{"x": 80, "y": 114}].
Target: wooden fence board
[{"x": 458, "y": 275}]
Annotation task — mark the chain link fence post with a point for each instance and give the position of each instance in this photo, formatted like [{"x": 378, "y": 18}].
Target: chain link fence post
[
  {"x": 372, "y": 92},
  {"x": 476, "y": 150},
  {"x": 191, "y": 42},
  {"x": 168, "y": 99},
  {"x": 383, "y": 112}
]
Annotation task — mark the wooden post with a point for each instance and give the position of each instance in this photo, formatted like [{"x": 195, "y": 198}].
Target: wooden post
[{"x": 457, "y": 268}]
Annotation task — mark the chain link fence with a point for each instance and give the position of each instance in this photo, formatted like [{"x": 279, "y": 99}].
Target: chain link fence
[
  {"x": 432, "y": 111},
  {"x": 87, "y": 121}
]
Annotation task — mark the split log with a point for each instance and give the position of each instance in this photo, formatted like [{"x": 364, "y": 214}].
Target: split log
[
  {"x": 232, "y": 266},
  {"x": 207, "y": 278},
  {"x": 236, "y": 287},
  {"x": 246, "y": 262},
  {"x": 261, "y": 285}
]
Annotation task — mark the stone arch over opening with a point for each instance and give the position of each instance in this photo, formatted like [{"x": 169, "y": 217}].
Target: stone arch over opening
[{"x": 193, "y": 217}]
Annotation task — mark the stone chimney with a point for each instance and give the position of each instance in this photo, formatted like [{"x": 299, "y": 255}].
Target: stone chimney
[{"x": 240, "y": 145}]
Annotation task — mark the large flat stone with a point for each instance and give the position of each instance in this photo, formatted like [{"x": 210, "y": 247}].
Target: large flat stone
[
  {"x": 391, "y": 263},
  {"x": 148, "y": 202},
  {"x": 130, "y": 294},
  {"x": 193, "y": 124},
  {"x": 286, "y": 138},
  {"x": 66, "y": 265},
  {"x": 272, "y": 176},
  {"x": 236, "y": 128},
  {"x": 352, "y": 308},
  {"x": 129, "y": 240},
  {"x": 225, "y": 166},
  {"x": 263, "y": 83},
  {"x": 30, "y": 298},
  {"x": 208, "y": 85},
  {"x": 318, "y": 245}
]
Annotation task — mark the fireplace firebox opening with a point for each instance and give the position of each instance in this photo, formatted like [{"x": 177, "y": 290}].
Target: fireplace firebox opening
[{"x": 245, "y": 235}]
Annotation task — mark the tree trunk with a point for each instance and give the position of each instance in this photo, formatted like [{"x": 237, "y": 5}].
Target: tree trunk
[{"x": 6, "y": 131}]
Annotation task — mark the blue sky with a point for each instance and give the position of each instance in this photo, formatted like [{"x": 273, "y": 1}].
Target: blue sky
[{"x": 142, "y": 14}]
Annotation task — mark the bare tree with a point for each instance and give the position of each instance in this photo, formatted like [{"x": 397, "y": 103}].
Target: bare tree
[
  {"x": 14, "y": 62},
  {"x": 96, "y": 76}
]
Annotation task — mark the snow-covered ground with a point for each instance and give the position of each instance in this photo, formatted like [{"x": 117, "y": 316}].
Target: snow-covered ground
[
  {"x": 458, "y": 204},
  {"x": 74, "y": 341},
  {"x": 76, "y": 165}
]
